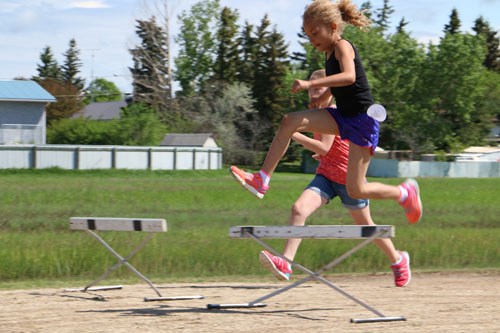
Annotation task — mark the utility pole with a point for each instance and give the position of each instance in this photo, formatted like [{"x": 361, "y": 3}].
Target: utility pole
[{"x": 92, "y": 55}]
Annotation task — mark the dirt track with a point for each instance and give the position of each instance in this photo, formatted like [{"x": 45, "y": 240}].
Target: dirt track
[{"x": 458, "y": 302}]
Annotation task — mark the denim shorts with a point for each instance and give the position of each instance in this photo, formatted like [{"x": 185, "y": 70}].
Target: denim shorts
[
  {"x": 329, "y": 190},
  {"x": 361, "y": 130}
]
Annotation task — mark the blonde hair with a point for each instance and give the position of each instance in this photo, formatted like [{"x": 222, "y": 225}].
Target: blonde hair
[
  {"x": 341, "y": 13},
  {"x": 318, "y": 73}
]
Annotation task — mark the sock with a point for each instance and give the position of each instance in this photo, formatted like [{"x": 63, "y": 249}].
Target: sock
[
  {"x": 265, "y": 177},
  {"x": 403, "y": 195},
  {"x": 399, "y": 261}
]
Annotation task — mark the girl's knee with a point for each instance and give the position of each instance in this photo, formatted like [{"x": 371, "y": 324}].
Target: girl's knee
[
  {"x": 289, "y": 121},
  {"x": 299, "y": 210},
  {"x": 355, "y": 192}
]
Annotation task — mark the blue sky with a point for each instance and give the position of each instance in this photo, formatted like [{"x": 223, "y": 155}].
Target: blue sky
[{"x": 104, "y": 29}]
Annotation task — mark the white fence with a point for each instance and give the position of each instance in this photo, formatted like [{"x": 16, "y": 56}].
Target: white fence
[
  {"x": 409, "y": 169},
  {"x": 109, "y": 157}
]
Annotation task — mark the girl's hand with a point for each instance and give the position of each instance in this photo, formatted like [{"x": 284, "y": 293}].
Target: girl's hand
[
  {"x": 299, "y": 85},
  {"x": 317, "y": 157},
  {"x": 315, "y": 103}
]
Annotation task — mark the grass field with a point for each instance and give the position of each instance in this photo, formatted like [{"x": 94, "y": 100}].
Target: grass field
[{"x": 460, "y": 228}]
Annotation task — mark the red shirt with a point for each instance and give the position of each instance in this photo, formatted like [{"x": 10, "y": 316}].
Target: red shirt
[{"x": 333, "y": 165}]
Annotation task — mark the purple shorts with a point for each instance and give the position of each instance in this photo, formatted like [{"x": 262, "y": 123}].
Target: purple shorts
[{"x": 361, "y": 130}]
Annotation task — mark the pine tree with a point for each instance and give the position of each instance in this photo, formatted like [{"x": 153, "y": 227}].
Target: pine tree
[
  {"x": 227, "y": 62},
  {"x": 50, "y": 77},
  {"x": 366, "y": 8},
  {"x": 453, "y": 26},
  {"x": 150, "y": 72},
  {"x": 401, "y": 26},
  {"x": 270, "y": 67},
  {"x": 483, "y": 28},
  {"x": 71, "y": 66},
  {"x": 247, "y": 51},
  {"x": 383, "y": 16},
  {"x": 49, "y": 67}
]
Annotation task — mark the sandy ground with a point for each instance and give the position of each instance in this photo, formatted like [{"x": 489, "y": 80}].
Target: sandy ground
[{"x": 451, "y": 302}]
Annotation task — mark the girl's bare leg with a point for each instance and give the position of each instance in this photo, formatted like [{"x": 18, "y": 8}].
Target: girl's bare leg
[
  {"x": 363, "y": 217},
  {"x": 356, "y": 184},
  {"x": 319, "y": 121},
  {"x": 307, "y": 203}
]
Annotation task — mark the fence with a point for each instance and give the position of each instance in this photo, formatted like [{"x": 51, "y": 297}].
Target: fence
[
  {"x": 109, "y": 157},
  {"x": 460, "y": 169},
  {"x": 391, "y": 168}
]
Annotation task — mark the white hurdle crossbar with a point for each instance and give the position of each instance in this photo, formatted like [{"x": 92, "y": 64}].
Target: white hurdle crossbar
[
  {"x": 151, "y": 226},
  {"x": 367, "y": 233}
]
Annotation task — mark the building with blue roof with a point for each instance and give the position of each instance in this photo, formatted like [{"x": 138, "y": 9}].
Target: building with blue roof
[{"x": 22, "y": 112}]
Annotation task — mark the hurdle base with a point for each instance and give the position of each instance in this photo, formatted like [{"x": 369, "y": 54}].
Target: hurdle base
[
  {"x": 377, "y": 320},
  {"x": 235, "y": 306},
  {"x": 97, "y": 288},
  {"x": 173, "y": 298}
]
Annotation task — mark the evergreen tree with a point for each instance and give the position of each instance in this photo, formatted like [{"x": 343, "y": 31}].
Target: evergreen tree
[
  {"x": 366, "y": 7},
  {"x": 227, "y": 62},
  {"x": 453, "y": 27},
  {"x": 48, "y": 67},
  {"x": 270, "y": 70},
  {"x": 150, "y": 72},
  {"x": 383, "y": 16},
  {"x": 401, "y": 26},
  {"x": 71, "y": 66},
  {"x": 247, "y": 53},
  {"x": 483, "y": 28}
]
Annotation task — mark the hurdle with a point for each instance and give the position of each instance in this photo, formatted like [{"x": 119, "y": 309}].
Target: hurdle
[
  {"x": 151, "y": 226},
  {"x": 367, "y": 233}
]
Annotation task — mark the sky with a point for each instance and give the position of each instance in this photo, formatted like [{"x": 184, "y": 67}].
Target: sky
[{"x": 104, "y": 30}]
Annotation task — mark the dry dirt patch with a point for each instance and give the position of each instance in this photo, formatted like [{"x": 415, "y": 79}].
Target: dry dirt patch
[{"x": 451, "y": 302}]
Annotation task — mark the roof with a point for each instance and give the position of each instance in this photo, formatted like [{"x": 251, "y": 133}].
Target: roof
[
  {"x": 24, "y": 91},
  {"x": 482, "y": 150},
  {"x": 189, "y": 139},
  {"x": 102, "y": 110}
]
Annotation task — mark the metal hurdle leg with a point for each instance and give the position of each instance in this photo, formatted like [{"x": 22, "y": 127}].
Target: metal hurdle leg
[
  {"x": 315, "y": 275},
  {"x": 124, "y": 261}
]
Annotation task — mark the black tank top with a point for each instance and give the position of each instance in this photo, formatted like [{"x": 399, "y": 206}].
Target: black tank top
[{"x": 356, "y": 98}]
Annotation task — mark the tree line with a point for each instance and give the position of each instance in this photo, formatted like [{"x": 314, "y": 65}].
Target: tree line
[{"x": 235, "y": 78}]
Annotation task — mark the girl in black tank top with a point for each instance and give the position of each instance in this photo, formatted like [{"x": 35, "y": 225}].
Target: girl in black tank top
[{"x": 353, "y": 99}]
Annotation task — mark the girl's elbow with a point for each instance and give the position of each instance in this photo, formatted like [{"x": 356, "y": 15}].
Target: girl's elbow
[
  {"x": 351, "y": 79},
  {"x": 322, "y": 151}
]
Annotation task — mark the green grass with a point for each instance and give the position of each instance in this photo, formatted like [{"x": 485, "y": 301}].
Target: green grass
[{"x": 460, "y": 228}]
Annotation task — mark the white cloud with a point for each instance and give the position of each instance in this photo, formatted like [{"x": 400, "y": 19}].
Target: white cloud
[{"x": 89, "y": 4}]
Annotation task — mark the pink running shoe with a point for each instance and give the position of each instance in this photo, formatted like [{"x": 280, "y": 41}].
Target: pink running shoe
[
  {"x": 276, "y": 265},
  {"x": 402, "y": 272},
  {"x": 251, "y": 181},
  {"x": 412, "y": 205}
]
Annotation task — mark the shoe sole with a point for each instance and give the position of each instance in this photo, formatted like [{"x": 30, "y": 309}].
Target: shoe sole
[
  {"x": 245, "y": 185},
  {"x": 268, "y": 264},
  {"x": 407, "y": 257},
  {"x": 414, "y": 183}
]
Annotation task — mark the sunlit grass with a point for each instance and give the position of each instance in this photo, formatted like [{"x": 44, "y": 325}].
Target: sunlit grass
[{"x": 460, "y": 228}]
